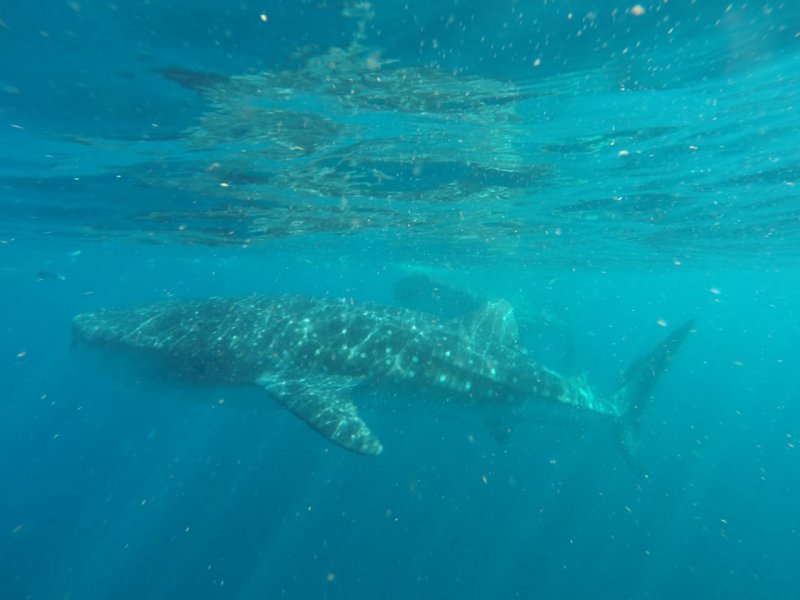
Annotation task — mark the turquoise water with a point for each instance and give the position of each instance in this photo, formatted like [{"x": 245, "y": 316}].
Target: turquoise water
[{"x": 612, "y": 169}]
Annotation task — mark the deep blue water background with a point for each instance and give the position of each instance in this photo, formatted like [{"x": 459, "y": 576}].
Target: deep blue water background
[{"x": 117, "y": 483}]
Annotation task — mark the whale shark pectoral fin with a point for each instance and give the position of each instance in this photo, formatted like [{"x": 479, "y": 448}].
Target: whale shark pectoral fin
[{"x": 324, "y": 403}]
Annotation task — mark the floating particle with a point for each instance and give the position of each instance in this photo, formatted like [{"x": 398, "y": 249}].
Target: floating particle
[
  {"x": 624, "y": 153},
  {"x": 263, "y": 17},
  {"x": 637, "y": 10},
  {"x": 661, "y": 323}
]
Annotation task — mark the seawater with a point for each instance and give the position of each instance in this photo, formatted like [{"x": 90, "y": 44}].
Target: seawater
[{"x": 621, "y": 166}]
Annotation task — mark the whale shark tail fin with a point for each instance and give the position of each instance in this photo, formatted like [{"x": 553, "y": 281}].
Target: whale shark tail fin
[{"x": 633, "y": 393}]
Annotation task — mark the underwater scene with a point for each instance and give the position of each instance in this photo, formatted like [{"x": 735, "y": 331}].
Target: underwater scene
[{"x": 334, "y": 300}]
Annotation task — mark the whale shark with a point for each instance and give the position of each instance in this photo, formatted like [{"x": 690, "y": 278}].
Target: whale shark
[{"x": 310, "y": 353}]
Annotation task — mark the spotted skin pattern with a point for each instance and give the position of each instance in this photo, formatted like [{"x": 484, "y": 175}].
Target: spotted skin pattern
[{"x": 310, "y": 352}]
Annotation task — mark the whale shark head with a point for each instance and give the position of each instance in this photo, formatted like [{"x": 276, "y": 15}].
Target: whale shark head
[{"x": 100, "y": 327}]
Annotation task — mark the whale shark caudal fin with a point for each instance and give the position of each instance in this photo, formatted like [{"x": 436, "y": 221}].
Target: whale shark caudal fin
[
  {"x": 324, "y": 403},
  {"x": 634, "y": 390}
]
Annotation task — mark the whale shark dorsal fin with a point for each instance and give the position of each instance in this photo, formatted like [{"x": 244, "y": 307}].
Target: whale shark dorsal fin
[
  {"x": 324, "y": 403},
  {"x": 491, "y": 324}
]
